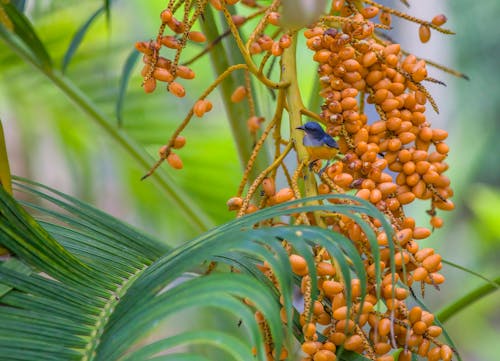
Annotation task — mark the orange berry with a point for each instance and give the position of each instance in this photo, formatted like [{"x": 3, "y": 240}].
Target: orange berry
[
  {"x": 298, "y": 264},
  {"x": 174, "y": 160},
  {"x": 276, "y": 49},
  {"x": 234, "y": 203},
  {"x": 216, "y": 4},
  {"x": 436, "y": 222},
  {"x": 446, "y": 353},
  {"x": 431, "y": 263},
  {"x": 238, "y": 94},
  {"x": 325, "y": 269},
  {"x": 163, "y": 75},
  {"x": 285, "y": 41},
  {"x": 309, "y": 329},
  {"x": 149, "y": 85},
  {"x": 144, "y": 47},
  {"x": 353, "y": 342},
  {"x": 273, "y": 18},
  {"x": 331, "y": 288},
  {"x": 197, "y": 36},
  {"x": 185, "y": 72},
  {"x": 385, "y": 18},
  {"x": 369, "y": 12},
  {"x": 170, "y": 42},
  {"x": 324, "y": 355},
  {"x": 424, "y": 33},
  {"x": 421, "y": 232},
  {"x": 283, "y": 195},
  {"x": 238, "y": 20},
  {"x": 177, "y": 89},
  {"x": 199, "y": 108},
  {"x": 310, "y": 347},
  {"x": 166, "y": 16},
  {"x": 269, "y": 187},
  {"x": 179, "y": 142},
  {"x": 439, "y": 20}
]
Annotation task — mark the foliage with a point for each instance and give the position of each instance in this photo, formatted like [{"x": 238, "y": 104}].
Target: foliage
[{"x": 79, "y": 284}]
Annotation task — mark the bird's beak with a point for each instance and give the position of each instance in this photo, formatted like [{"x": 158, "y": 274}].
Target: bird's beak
[{"x": 301, "y": 127}]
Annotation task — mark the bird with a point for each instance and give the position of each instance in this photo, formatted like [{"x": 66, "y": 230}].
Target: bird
[{"x": 318, "y": 143}]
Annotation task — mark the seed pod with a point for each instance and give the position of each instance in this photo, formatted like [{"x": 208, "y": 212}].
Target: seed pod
[
  {"x": 144, "y": 47},
  {"x": 234, "y": 203},
  {"x": 269, "y": 187},
  {"x": 174, "y": 160},
  {"x": 340, "y": 313},
  {"x": 283, "y": 195},
  {"x": 238, "y": 20},
  {"x": 176, "y": 26},
  {"x": 421, "y": 233},
  {"x": 276, "y": 49},
  {"x": 255, "y": 48},
  {"x": 353, "y": 342},
  {"x": 166, "y": 16},
  {"x": 415, "y": 315},
  {"x": 170, "y": 42},
  {"x": 419, "y": 274},
  {"x": 253, "y": 123},
  {"x": 439, "y": 20},
  {"x": 162, "y": 152},
  {"x": 446, "y": 353},
  {"x": 309, "y": 347},
  {"x": 285, "y": 41},
  {"x": 162, "y": 75},
  {"x": 149, "y": 85},
  {"x": 177, "y": 89},
  {"x": 199, "y": 108},
  {"x": 197, "y": 36},
  {"x": 325, "y": 269},
  {"x": 185, "y": 72},
  {"x": 273, "y": 18},
  {"x": 434, "y": 354},
  {"x": 238, "y": 94},
  {"x": 385, "y": 18},
  {"x": 179, "y": 142},
  {"x": 432, "y": 262},
  {"x": 369, "y": 12},
  {"x": 332, "y": 288},
  {"x": 309, "y": 329},
  {"x": 384, "y": 327},
  {"x": 298, "y": 264},
  {"x": 424, "y": 33}
]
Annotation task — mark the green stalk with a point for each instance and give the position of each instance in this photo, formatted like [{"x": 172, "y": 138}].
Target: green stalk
[
  {"x": 192, "y": 213},
  {"x": 237, "y": 113},
  {"x": 295, "y": 106},
  {"x": 475, "y": 295}
]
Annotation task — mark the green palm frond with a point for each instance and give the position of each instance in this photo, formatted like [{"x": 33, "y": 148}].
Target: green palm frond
[{"x": 86, "y": 286}]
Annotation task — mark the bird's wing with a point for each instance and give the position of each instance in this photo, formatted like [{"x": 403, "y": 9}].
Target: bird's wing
[{"x": 329, "y": 141}]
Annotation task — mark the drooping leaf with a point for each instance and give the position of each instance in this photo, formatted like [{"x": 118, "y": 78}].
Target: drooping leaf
[
  {"x": 128, "y": 67},
  {"x": 79, "y": 35},
  {"x": 124, "y": 283},
  {"x": 26, "y": 33}
]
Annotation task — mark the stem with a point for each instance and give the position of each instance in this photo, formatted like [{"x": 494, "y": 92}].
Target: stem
[
  {"x": 192, "y": 213},
  {"x": 237, "y": 113},
  {"x": 295, "y": 107},
  {"x": 467, "y": 300}
]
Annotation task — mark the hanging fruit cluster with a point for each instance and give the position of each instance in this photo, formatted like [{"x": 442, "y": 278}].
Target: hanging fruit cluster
[{"x": 374, "y": 106}]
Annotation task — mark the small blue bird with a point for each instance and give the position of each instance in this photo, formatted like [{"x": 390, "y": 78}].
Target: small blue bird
[{"x": 318, "y": 143}]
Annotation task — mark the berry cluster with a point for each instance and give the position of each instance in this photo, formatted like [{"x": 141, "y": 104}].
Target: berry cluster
[{"x": 390, "y": 159}]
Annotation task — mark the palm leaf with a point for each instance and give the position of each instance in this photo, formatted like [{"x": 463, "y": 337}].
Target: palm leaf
[{"x": 84, "y": 285}]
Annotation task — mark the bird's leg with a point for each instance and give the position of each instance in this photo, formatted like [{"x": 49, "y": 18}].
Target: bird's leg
[
  {"x": 324, "y": 168},
  {"x": 313, "y": 164}
]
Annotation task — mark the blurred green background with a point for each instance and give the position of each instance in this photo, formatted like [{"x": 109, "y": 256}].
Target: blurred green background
[{"x": 51, "y": 141}]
